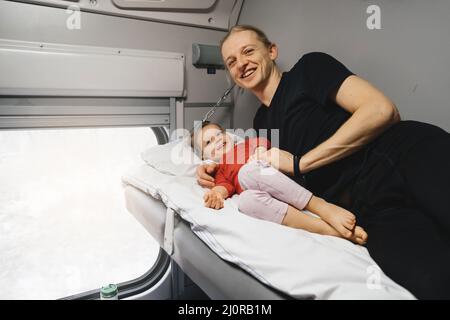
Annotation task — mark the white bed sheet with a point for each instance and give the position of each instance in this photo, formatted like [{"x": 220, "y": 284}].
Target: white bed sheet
[{"x": 296, "y": 262}]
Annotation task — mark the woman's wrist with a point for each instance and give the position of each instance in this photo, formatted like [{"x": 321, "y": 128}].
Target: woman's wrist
[
  {"x": 302, "y": 165},
  {"x": 298, "y": 168}
]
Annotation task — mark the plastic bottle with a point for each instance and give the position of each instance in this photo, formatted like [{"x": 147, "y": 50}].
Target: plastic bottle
[{"x": 109, "y": 292}]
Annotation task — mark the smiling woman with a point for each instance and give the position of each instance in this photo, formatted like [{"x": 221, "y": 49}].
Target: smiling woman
[
  {"x": 343, "y": 139},
  {"x": 250, "y": 59}
]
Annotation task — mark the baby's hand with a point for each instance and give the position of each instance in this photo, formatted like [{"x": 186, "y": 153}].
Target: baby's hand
[{"x": 213, "y": 199}]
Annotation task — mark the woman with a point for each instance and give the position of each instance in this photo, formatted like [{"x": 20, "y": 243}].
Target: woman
[{"x": 342, "y": 139}]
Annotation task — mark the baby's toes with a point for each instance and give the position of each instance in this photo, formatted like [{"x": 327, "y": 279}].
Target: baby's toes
[
  {"x": 349, "y": 215},
  {"x": 349, "y": 224},
  {"x": 360, "y": 241},
  {"x": 352, "y": 219},
  {"x": 361, "y": 234},
  {"x": 344, "y": 231}
]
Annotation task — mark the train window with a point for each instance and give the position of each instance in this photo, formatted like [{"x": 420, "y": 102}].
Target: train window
[{"x": 64, "y": 227}]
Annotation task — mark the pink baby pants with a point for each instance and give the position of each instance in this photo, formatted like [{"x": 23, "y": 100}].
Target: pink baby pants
[{"x": 267, "y": 192}]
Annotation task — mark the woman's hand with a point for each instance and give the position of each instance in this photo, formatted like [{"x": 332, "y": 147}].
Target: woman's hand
[
  {"x": 213, "y": 199},
  {"x": 279, "y": 159},
  {"x": 204, "y": 175}
]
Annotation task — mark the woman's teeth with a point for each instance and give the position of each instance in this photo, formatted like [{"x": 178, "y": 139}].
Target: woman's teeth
[{"x": 248, "y": 73}]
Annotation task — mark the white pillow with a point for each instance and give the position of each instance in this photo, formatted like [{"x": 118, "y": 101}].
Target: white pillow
[{"x": 177, "y": 157}]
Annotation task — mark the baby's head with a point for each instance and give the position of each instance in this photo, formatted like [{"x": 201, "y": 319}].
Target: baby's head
[{"x": 211, "y": 141}]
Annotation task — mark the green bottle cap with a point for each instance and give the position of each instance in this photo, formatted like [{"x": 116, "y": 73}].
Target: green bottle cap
[{"x": 108, "y": 291}]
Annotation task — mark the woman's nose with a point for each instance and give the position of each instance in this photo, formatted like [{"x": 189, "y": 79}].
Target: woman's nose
[{"x": 241, "y": 64}]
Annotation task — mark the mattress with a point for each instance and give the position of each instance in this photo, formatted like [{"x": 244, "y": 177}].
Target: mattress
[
  {"x": 293, "y": 261},
  {"x": 218, "y": 278}
]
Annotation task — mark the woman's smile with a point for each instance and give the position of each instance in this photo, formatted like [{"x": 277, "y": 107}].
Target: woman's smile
[{"x": 248, "y": 73}]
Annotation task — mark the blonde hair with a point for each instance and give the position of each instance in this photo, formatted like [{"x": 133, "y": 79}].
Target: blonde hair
[{"x": 244, "y": 27}]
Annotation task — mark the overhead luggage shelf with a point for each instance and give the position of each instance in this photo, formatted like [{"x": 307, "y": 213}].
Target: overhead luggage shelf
[
  {"x": 211, "y": 14},
  {"x": 30, "y": 68}
]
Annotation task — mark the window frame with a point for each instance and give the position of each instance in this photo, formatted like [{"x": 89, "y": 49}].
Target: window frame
[
  {"x": 71, "y": 112},
  {"x": 132, "y": 287}
]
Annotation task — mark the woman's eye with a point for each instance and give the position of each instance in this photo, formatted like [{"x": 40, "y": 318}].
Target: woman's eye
[
  {"x": 207, "y": 142},
  {"x": 248, "y": 52},
  {"x": 230, "y": 64}
]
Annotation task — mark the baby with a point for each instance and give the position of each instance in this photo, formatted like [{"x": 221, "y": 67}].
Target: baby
[{"x": 265, "y": 192}]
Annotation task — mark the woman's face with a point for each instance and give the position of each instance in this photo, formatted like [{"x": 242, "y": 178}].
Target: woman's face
[
  {"x": 214, "y": 143},
  {"x": 248, "y": 60}
]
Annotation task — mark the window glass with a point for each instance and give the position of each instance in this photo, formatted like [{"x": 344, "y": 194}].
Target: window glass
[{"x": 64, "y": 227}]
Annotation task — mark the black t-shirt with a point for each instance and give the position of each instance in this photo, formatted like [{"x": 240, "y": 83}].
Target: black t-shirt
[{"x": 305, "y": 116}]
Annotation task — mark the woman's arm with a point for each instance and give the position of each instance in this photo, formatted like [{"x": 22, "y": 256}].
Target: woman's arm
[{"x": 372, "y": 113}]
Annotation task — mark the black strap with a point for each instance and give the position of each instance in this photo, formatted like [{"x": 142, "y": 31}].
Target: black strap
[
  {"x": 297, "y": 172},
  {"x": 296, "y": 166}
]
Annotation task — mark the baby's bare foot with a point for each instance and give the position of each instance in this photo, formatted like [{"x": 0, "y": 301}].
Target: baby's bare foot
[
  {"x": 342, "y": 220},
  {"x": 359, "y": 236}
]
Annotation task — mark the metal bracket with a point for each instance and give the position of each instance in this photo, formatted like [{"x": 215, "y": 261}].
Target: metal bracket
[{"x": 168, "y": 231}]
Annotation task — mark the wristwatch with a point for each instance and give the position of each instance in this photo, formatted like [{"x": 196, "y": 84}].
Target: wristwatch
[
  {"x": 296, "y": 166},
  {"x": 297, "y": 172}
]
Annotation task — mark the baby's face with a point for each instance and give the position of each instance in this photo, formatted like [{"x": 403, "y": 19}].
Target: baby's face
[{"x": 213, "y": 142}]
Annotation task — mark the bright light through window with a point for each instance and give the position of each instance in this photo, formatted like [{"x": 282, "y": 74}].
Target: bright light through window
[{"x": 64, "y": 227}]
